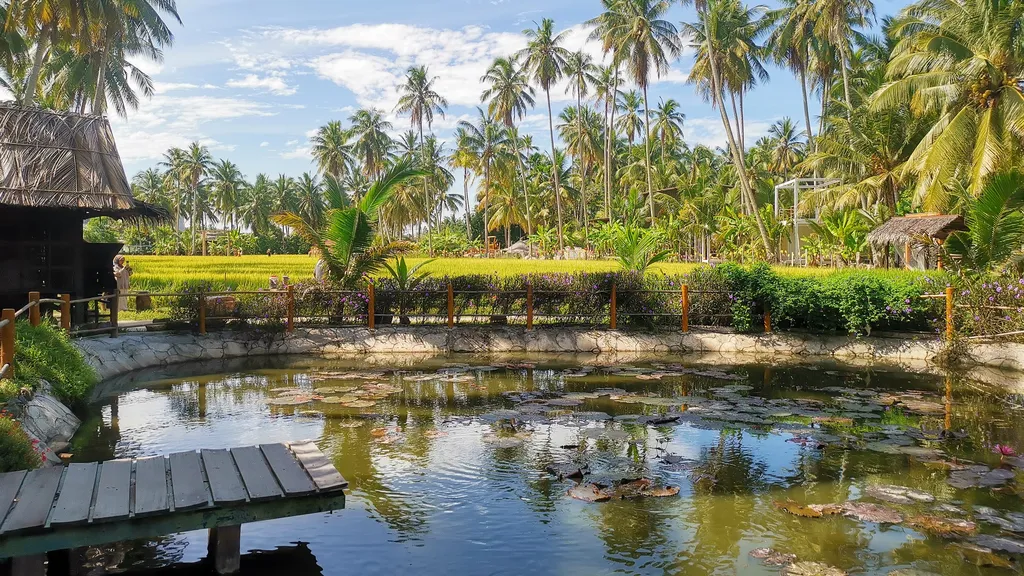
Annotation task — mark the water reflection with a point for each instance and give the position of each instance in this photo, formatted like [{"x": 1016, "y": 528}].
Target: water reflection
[{"x": 451, "y": 474}]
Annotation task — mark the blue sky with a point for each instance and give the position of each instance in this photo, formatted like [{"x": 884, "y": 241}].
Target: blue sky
[{"x": 253, "y": 78}]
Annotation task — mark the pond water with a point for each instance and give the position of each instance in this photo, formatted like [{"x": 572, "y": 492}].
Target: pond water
[{"x": 462, "y": 465}]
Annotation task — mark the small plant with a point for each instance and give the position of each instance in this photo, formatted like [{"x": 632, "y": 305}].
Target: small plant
[
  {"x": 17, "y": 450},
  {"x": 636, "y": 249},
  {"x": 406, "y": 280}
]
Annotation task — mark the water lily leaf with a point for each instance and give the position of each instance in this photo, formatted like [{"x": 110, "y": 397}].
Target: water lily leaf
[
  {"x": 588, "y": 493},
  {"x": 626, "y": 490},
  {"x": 662, "y": 492},
  {"x": 805, "y": 511},
  {"x": 288, "y": 400},
  {"x": 981, "y": 555},
  {"x": 944, "y": 527},
  {"x": 772, "y": 557},
  {"x": 351, "y": 423},
  {"x": 435, "y": 434},
  {"x": 567, "y": 470},
  {"x": 381, "y": 432},
  {"x": 331, "y": 399},
  {"x": 335, "y": 389},
  {"x": 876, "y": 513},
  {"x": 812, "y": 569},
  {"x": 360, "y": 404},
  {"x": 898, "y": 494}
]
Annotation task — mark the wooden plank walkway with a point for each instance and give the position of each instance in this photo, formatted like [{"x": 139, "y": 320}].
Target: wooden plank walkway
[{"x": 91, "y": 504}]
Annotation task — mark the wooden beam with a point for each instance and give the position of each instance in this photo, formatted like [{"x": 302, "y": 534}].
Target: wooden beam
[{"x": 225, "y": 548}]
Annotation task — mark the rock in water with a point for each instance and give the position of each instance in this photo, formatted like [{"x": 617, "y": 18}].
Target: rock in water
[{"x": 1000, "y": 543}]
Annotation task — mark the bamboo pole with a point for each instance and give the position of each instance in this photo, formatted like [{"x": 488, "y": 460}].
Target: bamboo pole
[
  {"x": 7, "y": 341},
  {"x": 949, "y": 313},
  {"x": 371, "y": 307},
  {"x": 202, "y": 313},
  {"x": 529, "y": 306},
  {"x": 65, "y": 313},
  {"x": 114, "y": 306},
  {"x": 291, "y": 308},
  {"x": 33, "y": 311},
  {"x": 451, "y": 306},
  {"x": 612, "y": 321},
  {"x": 686, "y": 308}
]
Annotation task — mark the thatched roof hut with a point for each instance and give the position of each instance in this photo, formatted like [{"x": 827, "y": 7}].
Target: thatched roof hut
[
  {"x": 56, "y": 170},
  {"x": 918, "y": 235},
  {"x": 58, "y": 160},
  {"x": 915, "y": 227}
]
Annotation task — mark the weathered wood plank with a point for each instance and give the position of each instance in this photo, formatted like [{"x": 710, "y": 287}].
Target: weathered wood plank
[
  {"x": 256, "y": 474},
  {"x": 319, "y": 467},
  {"x": 75, "y": 495},
  {"x": 10, "y": 483},
  {"x": 225, "y": 483},
  {"x": 113, "y": 491},
  {"x": 151, "y": 486},
  {"x": 34, "y": 500},
  {"x": 289, "y": 473},
  {"x": 187, "y": 481},
  {"x": 163, "y": 524}
]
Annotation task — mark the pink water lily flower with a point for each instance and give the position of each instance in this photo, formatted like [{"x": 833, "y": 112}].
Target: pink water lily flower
[{"x": 1004, "y": 450}]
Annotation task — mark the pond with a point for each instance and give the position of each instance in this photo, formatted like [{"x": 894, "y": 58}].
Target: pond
[{"x": 555, "y": 465}]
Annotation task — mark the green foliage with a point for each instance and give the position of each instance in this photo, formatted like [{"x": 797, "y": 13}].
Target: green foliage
[
  {"x": 17, "y": 451},
  {"x": 45, "y": 352},
  {"x": 995, "y": 227},
  {"x": 637, "y": 249}
]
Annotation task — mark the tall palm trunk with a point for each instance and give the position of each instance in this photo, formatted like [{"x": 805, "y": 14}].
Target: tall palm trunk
[
  {"x": 743, "y": 123},
  {"x": 585, "y": 216},
  {"x": 582, "y": 171},
  {"x": 647, "y": 147},
  {"x": 426, "y": 192},
  {"x": 607, "y": 164},
  {"x": 737, "y": 155},
  {"x": 526, "y": 192},
  {"x": 554, "y": 170},
  {"x": 736, "y": 119},
  {"x": 487, "y": 198},
  {"x": 807, "y": 111},
  {"x": 37, "y": 67},
  {"x": 846, "y": 81},
  {"x": 99, "y": 99},
  {"x": 465, "y": 194},
  {"x": 610, "y": 167}
]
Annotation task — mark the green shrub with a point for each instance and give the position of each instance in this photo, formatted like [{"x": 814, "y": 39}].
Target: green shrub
[
  {"x": 17, "y": 451},
  {"x": 45, "y": 352}
]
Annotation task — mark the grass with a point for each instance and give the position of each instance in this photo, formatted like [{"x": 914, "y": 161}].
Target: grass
[
  {"x": 156, "y": 273},
  {"x": 45, "y": 352}
]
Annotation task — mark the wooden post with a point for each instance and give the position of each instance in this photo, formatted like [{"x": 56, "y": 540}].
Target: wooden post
[
  {"x": 949, "y": 313},
  {"x": 115, "y": 305},
  {"x": 224, "y": 549},
  {"x": 291, "y": 308},
  {"x": 33, "y": 312},
  {"x": 65, "y": 313},
  {"x": 686, "y": 308},
  {"x": 767, "y": 322},
  {"x": 529, "y": 306},
  {"x": 204, "y": 242},
  {"x": 906, "y": 256},
  {"x": 451, "y": 306},
  {"x": 371, "y": 307},
  {"x": 613, "y": 313},
  {"x": 202, "y": 313},
  {"x": 7, "y": 342},
  {"x": 938, "y": 255}
]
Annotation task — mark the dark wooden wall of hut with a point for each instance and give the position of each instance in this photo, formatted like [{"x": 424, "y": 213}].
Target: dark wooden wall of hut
[{"x": 42, "y": 250}]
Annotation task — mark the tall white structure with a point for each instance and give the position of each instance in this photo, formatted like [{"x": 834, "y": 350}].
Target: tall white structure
[{"x": 799, "y": 185}]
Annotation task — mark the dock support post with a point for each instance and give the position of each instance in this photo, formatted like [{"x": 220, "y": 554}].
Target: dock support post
[
  {"x": 65, "y": 313},
  {"x": 685, "y": 304},
  {"x": 224, "y": 549},
  {"x": 613, "y": 311},
  {"x": 29, "y": 565},
  {"x": 33, "y": 312}
]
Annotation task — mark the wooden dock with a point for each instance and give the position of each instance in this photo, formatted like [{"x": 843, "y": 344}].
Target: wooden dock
[{"x": 90, "y": 504}]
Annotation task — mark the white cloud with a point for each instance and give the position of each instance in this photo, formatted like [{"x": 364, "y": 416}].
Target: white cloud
[
  {"x": 298, "y": 153},
  {"x": 710, "y": 132},
  {"x": 273, "y": 84},
  {"x": 164, "y": 87},
  {"x": 264, "y": 144}
]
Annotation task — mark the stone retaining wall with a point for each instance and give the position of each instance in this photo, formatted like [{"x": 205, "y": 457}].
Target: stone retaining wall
[{"x": 134, "y": 351}]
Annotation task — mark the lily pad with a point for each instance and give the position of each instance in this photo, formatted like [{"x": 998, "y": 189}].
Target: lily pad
[
  {"x": 772, "y": 557},
  {"x": 360, "y": 404},
  {"x": 982, "y": 556},
  {"x": 867, "y": 512},
  {"x": 807, "y": 511},
  {"x": 944, "y": 527},
  {"x": 568, "y": 470},
  {"x": 588, "y": 493},
  {"x": 812, "y": 569},
  {"x": 898, "y": 494},
  {"x": 351, "y": 423}
]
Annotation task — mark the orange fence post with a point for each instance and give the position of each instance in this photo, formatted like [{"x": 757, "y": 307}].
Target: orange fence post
[
  {"x": 767, "y": 322},
  {"x": 7, "y": 342},
  {"x": 114, "y": 305},
  {"x": 202, "y": 313},
  {"x": 371, "y": 307},
  {"x": 65, "y": 313},
  {"x": 451, "y": 305},
  {"x": 291, "y": 308},
  {"x": 949, "y": 313},
  {"x": 613, "y": 316},
  {"x": 529, "y": 306},
  {"x": 686, "y": 308},
  {"x": 33, "y": 311}
]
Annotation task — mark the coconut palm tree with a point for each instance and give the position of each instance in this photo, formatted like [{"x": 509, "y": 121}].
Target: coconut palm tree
[
  {"x": 332, "y": 151},
  {"x": 607, "y": 95},
  {"x": 420, "y": 101},
  {"x": 630, "y": 120},
  {"x": 259, "y": 205},
  {"x": 963, "y": 62},
  {"x": 488, "y": 141},
  {"x": 834, "y": 23},
  {"x": 309, "y": 197},
  {"x": 790, "y": 43},
  {"x": 787, "y": 148},
  {"x": 645, "y": 43},
  {"x": 995, "y": 226},
  {"x": 668, "y": 124},
  {"x": 373, "y": 145},
  {"x": 509, "y": 95},
  {"x": 464, "y": 156},
  {"x": 544, "y": 59},
  {"x": 192, "y": 168},
  {"x": 346, "y": 241},
  {"x": 227, "y": 186},
  {"x": 581, "y": 74}
]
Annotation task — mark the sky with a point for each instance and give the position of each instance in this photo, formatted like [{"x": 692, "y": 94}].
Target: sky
[{"x": 253, "y": 79}]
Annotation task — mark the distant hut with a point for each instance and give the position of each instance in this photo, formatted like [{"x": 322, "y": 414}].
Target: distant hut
[
  {"x": 915, "y": 238},
  {"x": 56, "y": 170}
]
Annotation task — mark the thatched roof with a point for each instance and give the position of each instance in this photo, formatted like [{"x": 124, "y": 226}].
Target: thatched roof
[
  {"x": 54, "y": 159},
  {"x": 915, "y": 227}
]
